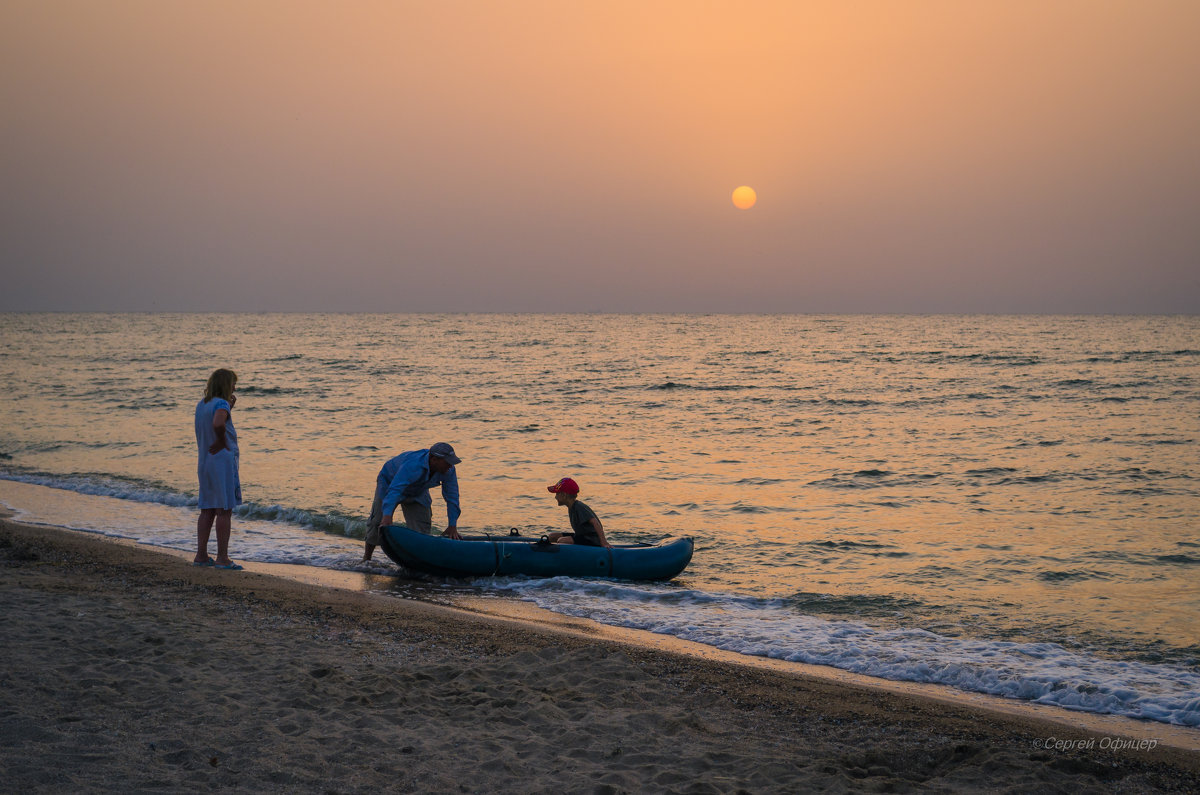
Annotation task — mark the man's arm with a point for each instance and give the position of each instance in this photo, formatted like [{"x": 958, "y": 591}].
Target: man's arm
[
  {"x": 450, "y": 495},
  {"x": 599, "y": 528}
]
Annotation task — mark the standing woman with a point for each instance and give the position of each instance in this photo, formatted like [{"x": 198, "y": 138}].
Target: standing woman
[{"x": 220, "y": 486}]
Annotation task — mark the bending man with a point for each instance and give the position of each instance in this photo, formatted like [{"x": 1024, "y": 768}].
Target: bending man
[{"x": 405, "y": 481}]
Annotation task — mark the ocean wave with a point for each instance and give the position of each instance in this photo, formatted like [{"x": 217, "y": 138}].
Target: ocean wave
[
  {"x": 1008, "y": 359},
  {"x": 855, "y": 604},
  {"x": 1073, "y": 575},
  {"x": 1001, "y": 471},
  {"x": 1040, "y": 672},
  {"x": 875, "y": 478},
  {"x": 1050, "y": 477},
  {"x": 331, "y": 522},
  {"x": 1185, "y": 560},
  {"x": 77, "y": 444},
  {"x": 328, "y": 521},
  {"x": 671, "y": 385},
  {"x": 252, "y": 389},
  {"x": 742, "y": 507},
  {"x": 849, "y": 545},
  {"x": 104, "y": 486},
  {"x": 1158, "y": 356}
]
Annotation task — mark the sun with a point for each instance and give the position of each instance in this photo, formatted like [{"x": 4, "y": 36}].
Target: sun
[{"x": 744, "y": 197}]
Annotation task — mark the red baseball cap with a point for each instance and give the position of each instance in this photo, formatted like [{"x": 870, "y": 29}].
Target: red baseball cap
[{"x": 565, "y": 485}]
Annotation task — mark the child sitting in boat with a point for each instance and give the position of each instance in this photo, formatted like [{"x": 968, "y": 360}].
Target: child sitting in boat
[{"x": 586, "y": 526}]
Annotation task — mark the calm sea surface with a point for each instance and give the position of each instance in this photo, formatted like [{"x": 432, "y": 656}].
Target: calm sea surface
[{"x": 1002, "y": 504}]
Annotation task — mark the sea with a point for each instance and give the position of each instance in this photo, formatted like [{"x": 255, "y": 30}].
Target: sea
[{"x": 999, "y": 504}]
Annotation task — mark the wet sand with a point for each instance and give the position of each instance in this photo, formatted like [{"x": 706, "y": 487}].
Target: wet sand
[{"x": 126, "y": 667}]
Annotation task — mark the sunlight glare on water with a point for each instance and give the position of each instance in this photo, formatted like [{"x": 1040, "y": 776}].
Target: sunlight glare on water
[{"x": 1023, "y": 478}]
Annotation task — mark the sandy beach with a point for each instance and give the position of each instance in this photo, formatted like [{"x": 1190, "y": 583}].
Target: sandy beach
[{"x": 126, "y": 667}]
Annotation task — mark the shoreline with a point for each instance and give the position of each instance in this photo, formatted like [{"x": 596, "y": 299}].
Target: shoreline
[
  {"x": 524, "y": 613},
  {"x": 123, "y": 663}
]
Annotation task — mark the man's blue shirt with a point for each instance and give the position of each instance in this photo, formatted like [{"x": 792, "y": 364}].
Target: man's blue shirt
[{"x": 410, "y": 480}]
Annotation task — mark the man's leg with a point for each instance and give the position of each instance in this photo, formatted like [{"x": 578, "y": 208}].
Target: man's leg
[
  {"x": 372, "y": 536},
  {"x": 417, "y": 517}
]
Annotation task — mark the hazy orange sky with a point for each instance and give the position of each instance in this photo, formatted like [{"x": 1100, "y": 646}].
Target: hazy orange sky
[{"x": 1006, "y": 156}]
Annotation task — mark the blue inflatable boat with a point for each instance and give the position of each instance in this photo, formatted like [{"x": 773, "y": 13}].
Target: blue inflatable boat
[{"x": 486, "y": 556}]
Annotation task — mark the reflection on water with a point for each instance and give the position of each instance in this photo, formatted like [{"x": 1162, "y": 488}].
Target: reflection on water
[{"x": 1019, "y": 478}]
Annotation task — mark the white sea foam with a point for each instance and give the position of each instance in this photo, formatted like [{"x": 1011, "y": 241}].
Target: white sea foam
[
  {"x": 162, "y": 524},
  {"x": 103, "y": 487},
  {"x": 1045, "y": 673},
  {"x": 1042, "y": 672}
]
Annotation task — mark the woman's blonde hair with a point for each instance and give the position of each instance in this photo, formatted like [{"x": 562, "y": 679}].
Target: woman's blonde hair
[{"x": 220, "y": 384}]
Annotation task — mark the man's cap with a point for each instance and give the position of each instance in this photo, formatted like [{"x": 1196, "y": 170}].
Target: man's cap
[
  {"x": 443, "y": 450},
  {"x": 566, "y": 486}
]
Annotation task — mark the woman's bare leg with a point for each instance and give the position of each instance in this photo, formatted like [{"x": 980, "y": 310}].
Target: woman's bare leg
[
  {"x": 203, "y": 529},
  {"x": 224, "y": 527}
]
